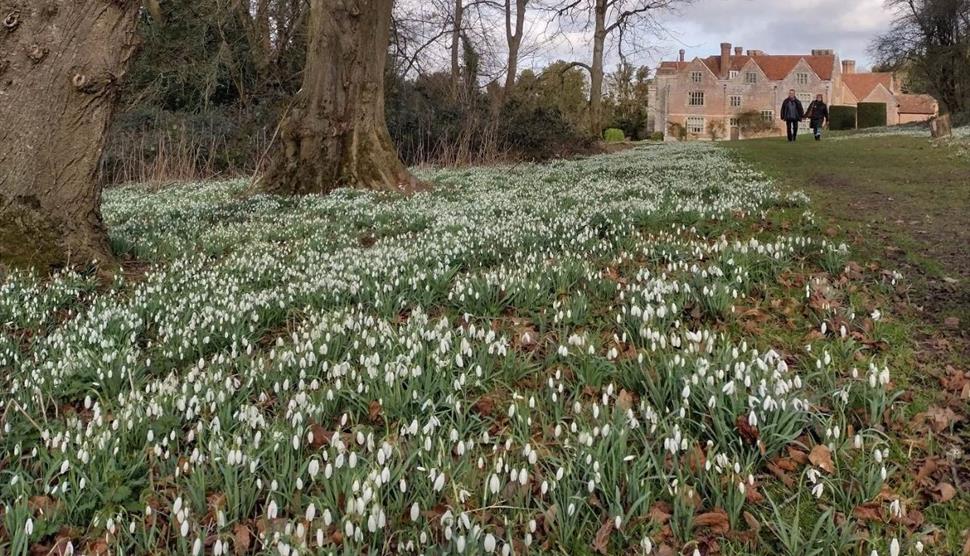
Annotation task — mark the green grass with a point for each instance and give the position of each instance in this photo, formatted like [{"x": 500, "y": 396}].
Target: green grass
[{"x": 902, "y": 203}]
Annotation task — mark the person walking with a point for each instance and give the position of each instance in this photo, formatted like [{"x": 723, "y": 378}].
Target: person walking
[
  {"x": 792, "y": 112},
  {"x": 818, "y": 115}
]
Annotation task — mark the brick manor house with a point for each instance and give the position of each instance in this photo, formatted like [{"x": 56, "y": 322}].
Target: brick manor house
[{"x": 699, "y": 93}]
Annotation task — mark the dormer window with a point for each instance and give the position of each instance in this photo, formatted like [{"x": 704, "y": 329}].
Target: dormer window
[
  {"x": 696, "y": 76},
  {"x": 732, "y": 74}
]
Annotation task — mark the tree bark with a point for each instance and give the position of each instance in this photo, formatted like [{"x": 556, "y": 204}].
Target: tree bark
[
  {"x": 514, "y": 40},
  {"x": 335, "y": 134},
  {"x": 60, "y": 63},
  {"x": 456, "y": 28},
  {"x": 596, "y": 70}
]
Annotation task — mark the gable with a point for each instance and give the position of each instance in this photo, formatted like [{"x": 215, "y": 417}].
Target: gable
[
  {"x": 777, "y": 68},
  {"x": 863, "y": 84}
]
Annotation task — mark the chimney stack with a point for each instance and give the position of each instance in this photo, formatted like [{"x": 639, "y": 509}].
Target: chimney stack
[
  {"x": 682, "y": 52},
  {"x": 738, "y": 51},
  {"x": 725, "y": 59},
  {"x": 848, "y": 66}
]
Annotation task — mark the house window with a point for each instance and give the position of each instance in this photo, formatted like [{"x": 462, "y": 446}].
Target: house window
[
  {"x": 806, "y": 99},
  {"x": 695, "y": 98},
  {"x": 732, "y": 74},
  {"x": 696, "y": 76},
  {"x": 734, "y": 122},
  {"x": 735, "y": 101},
  {"x": 695, "y": 125},
  {"x": 801, "y": 78},
  {"x": 768, "y": 115},
  {"x": 751, "y": 77}
]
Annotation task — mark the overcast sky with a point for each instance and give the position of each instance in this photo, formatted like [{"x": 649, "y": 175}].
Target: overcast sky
[{"x": 775, "y": 26}]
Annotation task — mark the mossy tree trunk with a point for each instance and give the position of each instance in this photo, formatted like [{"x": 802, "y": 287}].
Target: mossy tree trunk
[
  {"x": 60, "y": 62},
  {"x": 335, "y": 134}
]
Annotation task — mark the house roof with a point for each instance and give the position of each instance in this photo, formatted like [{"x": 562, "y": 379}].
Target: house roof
[
  {"x": 916, "y": 104},
  {"x": 862, "y": 84},
  {"x": 775, "y": 67}
]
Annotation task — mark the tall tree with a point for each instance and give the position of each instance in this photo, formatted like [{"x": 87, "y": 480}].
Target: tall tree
[
  {"x": 513, "y": 38},
  {"x": 335, "y": 134},
  {"x": 60, "y": 62},
  {"x": 930, "y": 39},
  {"x": 628, "y": 20}
]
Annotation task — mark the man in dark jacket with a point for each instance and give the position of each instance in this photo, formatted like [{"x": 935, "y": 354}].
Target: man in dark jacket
[
  {"x": 817, "y": 114},
  {"x": 793, "y": 113}
]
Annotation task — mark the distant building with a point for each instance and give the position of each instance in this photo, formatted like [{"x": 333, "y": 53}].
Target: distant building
[{"x": 706, "y": 95}]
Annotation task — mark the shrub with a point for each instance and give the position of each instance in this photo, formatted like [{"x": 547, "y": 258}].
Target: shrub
[
  {"x": 656, "y": 136},
  {"x": 716, "y": 129},
  {"x": 539, "y": 133},
  {"x": 842, "y": 117},
  {"x": 751, "y": 122},
  {"x": 614, "y": 135},
  {"x": 871, "y": 114},
  {"x": 677, "y": 131}
]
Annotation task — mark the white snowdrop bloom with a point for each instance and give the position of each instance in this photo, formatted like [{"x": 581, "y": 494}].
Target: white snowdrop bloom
[
  {"x": 415, "y": 511},
  {"x": 197, "y": 547},
  {"x": 894, "y": 547},
  {"x": 184, "y": 529},
  {"x": 817, "y": 490},
  {"x": 439, "y": 482},
  {"x": 919, "y": 547},
  {"x": 29, "y": 527},
  {"x": 313, "y": 468},
  {"x": 489, "y": 543},
  {"x": 311, "y": 512}
]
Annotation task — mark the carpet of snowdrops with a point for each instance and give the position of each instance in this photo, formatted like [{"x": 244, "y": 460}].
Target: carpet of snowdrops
[{"x": 528, "y": 359}]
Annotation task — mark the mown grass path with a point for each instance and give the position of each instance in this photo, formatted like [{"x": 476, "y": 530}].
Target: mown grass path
[{"x": 903, "y": 202}]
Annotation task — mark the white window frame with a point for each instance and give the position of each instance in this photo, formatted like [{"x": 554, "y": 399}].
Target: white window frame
[
  {"x": 695, "y": 125},
  {"x": 732, "y": 74},
  {"x": 696, "y": 76},
  {"x": 693, "y": 96},
  {"x": 736, "y": 98},
  {"x": 768, "y": 115}
]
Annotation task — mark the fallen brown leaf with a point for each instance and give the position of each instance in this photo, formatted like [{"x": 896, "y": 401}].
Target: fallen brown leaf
[
  {"x": 624, "y": 400},
  {"x": 868, "y": 512},
  {"x": 821, "y": 457},
  {"x": 602, "y": 540},
  {"x": 241, "y": 539},
  {"x": 946, "y": 492},
  {"x": 716, "y": 521}
]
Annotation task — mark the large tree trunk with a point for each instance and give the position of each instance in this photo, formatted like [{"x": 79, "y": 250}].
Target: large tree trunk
[
  {"x": 596, "y": 70},
  {"x": 60, "y": 61},
  {"x": 335, "y": 134}
]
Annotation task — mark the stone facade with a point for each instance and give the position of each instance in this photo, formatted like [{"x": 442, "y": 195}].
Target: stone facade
[{"x": 704, "y": 96}]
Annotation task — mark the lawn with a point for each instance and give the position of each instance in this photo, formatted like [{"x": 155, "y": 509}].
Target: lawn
[
  {"x": 902, "y": 201},
  {"x": 654, "y": 351}
]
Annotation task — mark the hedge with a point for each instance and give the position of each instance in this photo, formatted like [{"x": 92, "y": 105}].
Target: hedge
[
  {"x": 842, "y": 117},
  {"x": 871, "y": 114}
]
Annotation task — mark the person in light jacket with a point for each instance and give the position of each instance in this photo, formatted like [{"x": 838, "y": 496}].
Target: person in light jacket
[
  {"x": 792, "y": 112},
  {"x": 818, "y": 115}
]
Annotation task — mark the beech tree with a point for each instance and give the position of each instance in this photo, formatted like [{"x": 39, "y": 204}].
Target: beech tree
[
  {"x": 335, "y": 133},
  {"x": 60, "y": 63}
]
